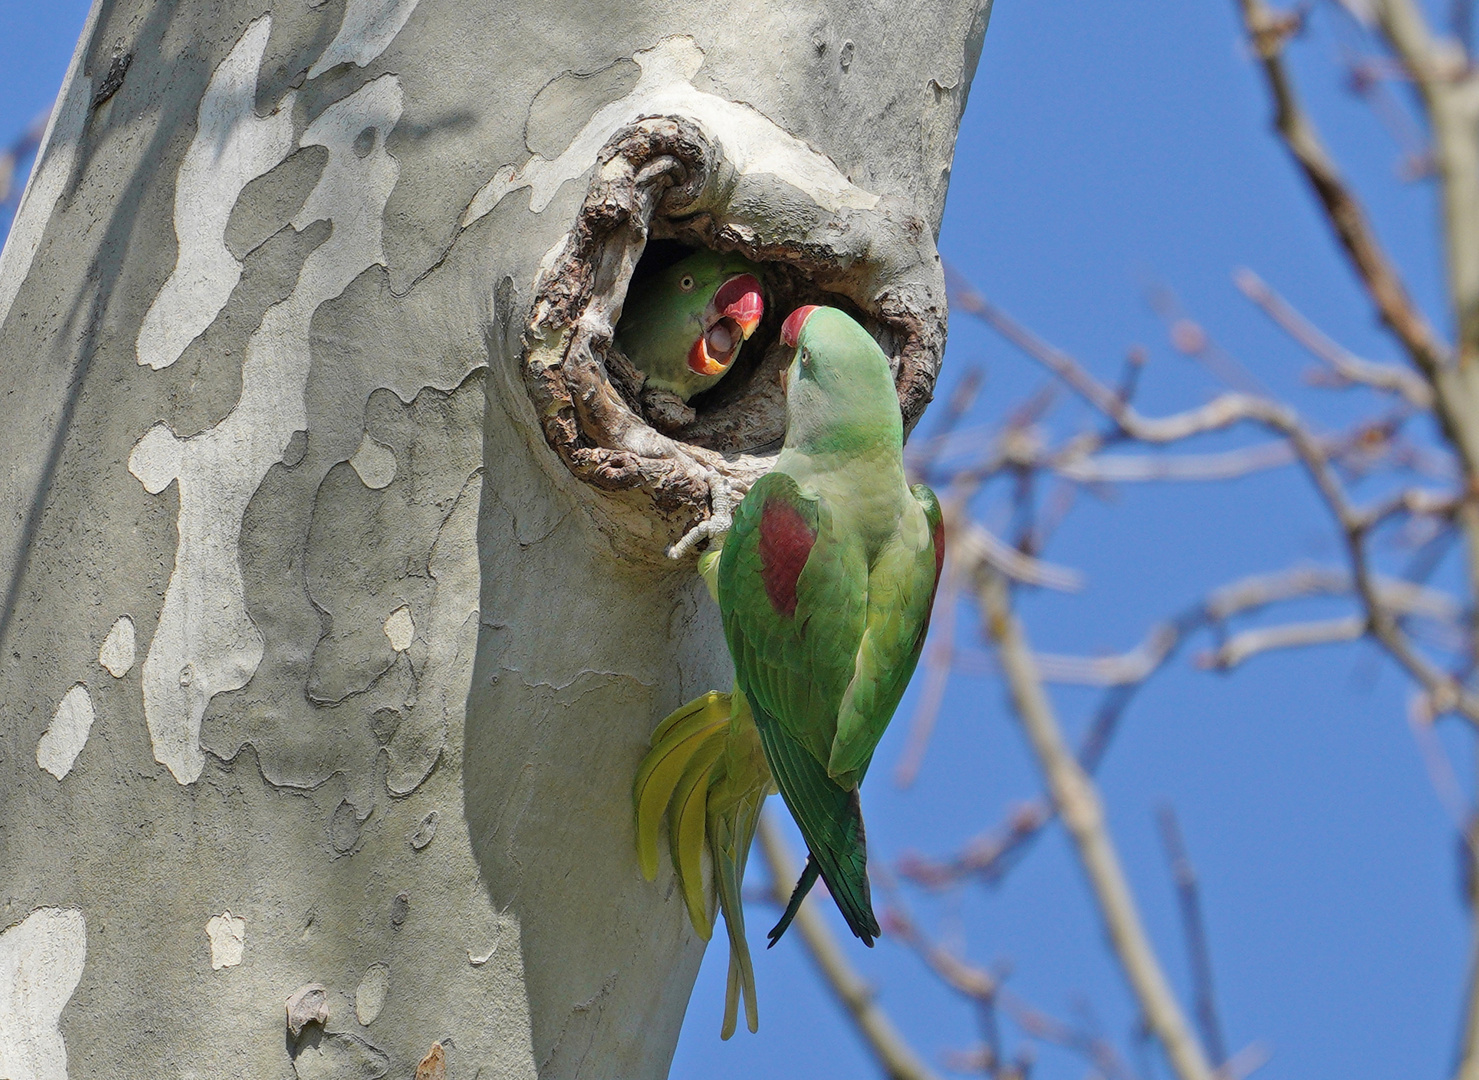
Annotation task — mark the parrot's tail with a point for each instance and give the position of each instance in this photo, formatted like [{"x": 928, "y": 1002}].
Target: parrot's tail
[
  {"x": 707, "y": 772},
  {"x": 673, "y": 780},
  {"x": 731, "y": 834},
  {"x": 831, "y": 822},
  {"x": 804, "y": 883}
]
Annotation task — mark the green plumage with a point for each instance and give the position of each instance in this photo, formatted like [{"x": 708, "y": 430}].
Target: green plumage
[
  {"x": 667, "y": 313},
  {"x": 825, "y": 582},
  {"x": 824, "y": 679}
]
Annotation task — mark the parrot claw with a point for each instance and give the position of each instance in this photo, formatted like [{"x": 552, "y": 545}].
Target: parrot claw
[{"x": 722, "y": 502}]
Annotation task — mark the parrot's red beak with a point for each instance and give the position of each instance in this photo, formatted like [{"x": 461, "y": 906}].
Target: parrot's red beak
[
  {"x": 791, "y": 328},
  {"x": 740, "y": 299},
  {"x": 730, "y": 319}
]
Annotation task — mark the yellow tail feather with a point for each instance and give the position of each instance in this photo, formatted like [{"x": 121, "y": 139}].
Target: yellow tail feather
[
  {"x": 684, "y": 733},
  {"x": 706, "y": 769},
  {"x": 687, "y": 816}
]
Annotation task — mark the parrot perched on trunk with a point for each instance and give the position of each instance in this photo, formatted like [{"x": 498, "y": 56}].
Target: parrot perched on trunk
[
  {"x": 684, "y": 326},
  {"x": 826, "y": 581}
]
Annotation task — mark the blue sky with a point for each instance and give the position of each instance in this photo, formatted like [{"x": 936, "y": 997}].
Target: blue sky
[{"x": 1106, "y": 148}]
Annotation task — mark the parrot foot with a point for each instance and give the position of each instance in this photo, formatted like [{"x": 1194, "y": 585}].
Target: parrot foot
[{"x": 722, "y": 502}]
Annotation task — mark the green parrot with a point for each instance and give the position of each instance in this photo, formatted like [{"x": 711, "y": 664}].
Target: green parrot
[
  {"x": 707, "y": 773},
  {"x": 684, "y": 326},
  {"x": 826, "y": 580},
  {"x": 825, "y": 583}
]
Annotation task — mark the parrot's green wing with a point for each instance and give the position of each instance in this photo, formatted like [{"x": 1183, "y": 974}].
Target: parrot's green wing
[
  {"x": 901, "y": 591},
  {"x": 793, "y": 593}
]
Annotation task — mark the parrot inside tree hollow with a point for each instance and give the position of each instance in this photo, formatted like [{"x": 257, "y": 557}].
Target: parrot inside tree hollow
[
  {"x": 826, "y": 580},
  {"x": 684, "y": 326}
]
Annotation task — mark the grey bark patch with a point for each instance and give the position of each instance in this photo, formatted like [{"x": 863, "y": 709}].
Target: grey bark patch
[
  {"x": 337, "y": 1056},
  {"x": 272, "y": 200},
  {"x": 206, "y": 380},
  {"x": 297, "y": 449},
  {"x": 564, "y": 104},
  {"x": 369, "y": 996},
  {"x": 399, "y": 907},
  {"x": 344, "y": 827}
]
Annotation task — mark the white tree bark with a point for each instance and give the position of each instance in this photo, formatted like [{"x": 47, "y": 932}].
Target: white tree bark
[{"x": 319, "y": 665}]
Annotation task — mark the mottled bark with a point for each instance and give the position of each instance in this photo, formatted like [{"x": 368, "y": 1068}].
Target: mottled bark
[{"x": 323, "y": 677}]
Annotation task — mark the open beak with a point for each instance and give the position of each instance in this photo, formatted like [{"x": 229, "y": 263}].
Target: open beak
[{"x": 729, "y": 320}]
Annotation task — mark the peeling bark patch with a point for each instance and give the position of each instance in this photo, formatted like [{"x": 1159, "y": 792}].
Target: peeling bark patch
[
  {"x": 400, "y": 629},
  {"x": 399, "y": 907},
  {"x": 753, "y": 143},
  {"x": 366, "y": 31},
  {"x": 41, "y": 962},
  {"x": 227, "y": 935},
  {"x": 205, "y": 644},
  {"x": 307, "y": 1005},
  {"x": 232, "y": 147},
  {"x": 369, "y": 997},
  {"x": 117, "y": 654},
  {"x": 374, "y": 463},
  {"x": 67, "y": 733},
  {"x": 434, "y": 1065}
]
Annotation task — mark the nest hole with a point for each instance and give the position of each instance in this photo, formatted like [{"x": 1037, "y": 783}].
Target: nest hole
[{"x": 745, "y": 412}]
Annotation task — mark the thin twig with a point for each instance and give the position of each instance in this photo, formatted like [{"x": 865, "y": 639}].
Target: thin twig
[
  {"x": 1188, "y": 896},
  {"x": 1078, "y": 804},
  {"x": 986, "y": 991},
  {"x": 889, "y": 1048},
  {"x": 1352, "y": 368}
]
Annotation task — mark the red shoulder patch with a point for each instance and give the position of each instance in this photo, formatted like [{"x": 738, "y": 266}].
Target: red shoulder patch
[{"x": 785, "y": 544}]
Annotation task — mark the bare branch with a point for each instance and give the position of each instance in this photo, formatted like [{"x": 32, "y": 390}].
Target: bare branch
[
  {"x": 1138, "y": 468},
  {"x": 1439, "y": 70},
  {"x": 1267, "y": 32},
  {"x": 889, "y": 1048},
  {"x": 974, "y": 543},
  {"x": 1300, "y": 635},
  {"x": 1448, "y": 693},
  {"x": 1079, "y": 806},
  {"x": 1348, "y": 366}
]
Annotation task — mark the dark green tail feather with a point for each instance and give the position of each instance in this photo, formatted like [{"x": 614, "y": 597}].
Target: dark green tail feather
[
  {"x": 831, "y": 822},
  {"x": 804, "y": 883}
]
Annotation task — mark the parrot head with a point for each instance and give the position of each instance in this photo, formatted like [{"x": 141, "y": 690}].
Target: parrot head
[
  {"x": 839, "y": 388},
  {"x": 728, "y": 320},
  {"x": 684, "y": 325}
]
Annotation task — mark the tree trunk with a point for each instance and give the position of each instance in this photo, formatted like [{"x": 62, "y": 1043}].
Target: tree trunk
[{"x": 331, "y": 636}]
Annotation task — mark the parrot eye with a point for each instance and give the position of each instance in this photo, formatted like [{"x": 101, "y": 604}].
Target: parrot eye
[
  {"x": 686, "y": 283},
  {"x": 806, "y": 358}
]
